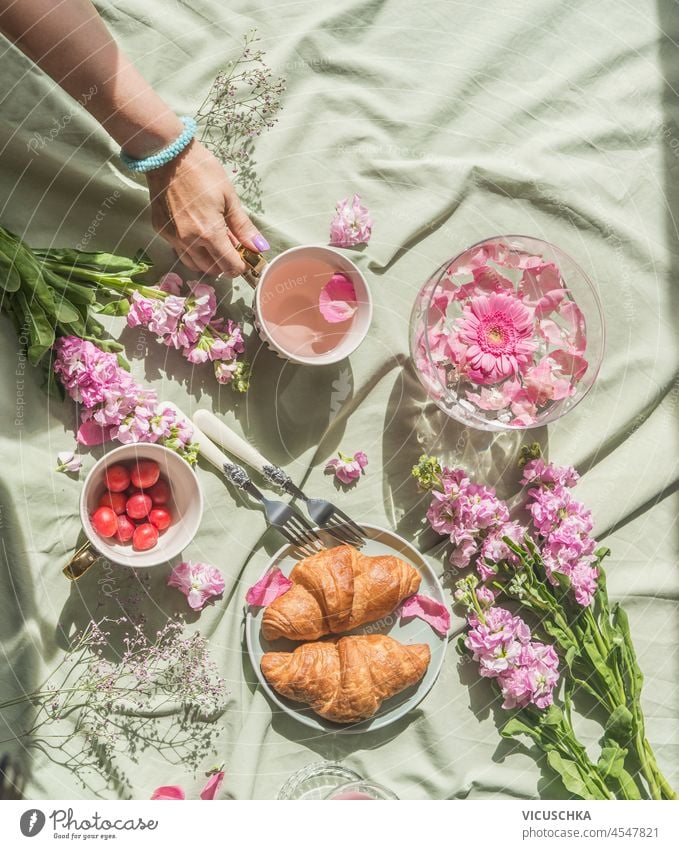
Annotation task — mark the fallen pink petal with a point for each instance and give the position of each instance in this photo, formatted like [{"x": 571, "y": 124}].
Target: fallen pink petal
[
  {"x": 170, "y": 792},
  {"x": 211, "y": 789},
  {"x": 429, "y": 610},
  {"x": 272, "y": 585}
]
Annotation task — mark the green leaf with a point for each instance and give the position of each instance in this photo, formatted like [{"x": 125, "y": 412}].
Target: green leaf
[
  {"x": 620, "y": 725},
  {"x": 120, "y": 306},
  {"x": 552, "y": 716},
  {"x": 515, "y": 726},
  {"x": 571, "y": 775},
  {"x": 10, "y": 279},
  {"x": 612, "y": 760},
  {"x": 40, "y": 329},
  {"x": 66, "y": 313},
  {"x": 563, "y": 581},
  {"x": 634, "y": 673},
  {"x": 557, "y": 633},
  {"x": 628, "y": 785},
  {"x": 569, "y": 656}
]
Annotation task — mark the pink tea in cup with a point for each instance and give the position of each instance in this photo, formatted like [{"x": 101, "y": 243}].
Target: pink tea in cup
[{"x": 287, "y": 306}]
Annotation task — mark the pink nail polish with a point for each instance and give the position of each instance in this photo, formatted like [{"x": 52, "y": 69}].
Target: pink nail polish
[{"x": 260, "y": 243}]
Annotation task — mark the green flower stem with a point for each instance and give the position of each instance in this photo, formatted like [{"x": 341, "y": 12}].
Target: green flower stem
[{"x": 106, "y": 281}]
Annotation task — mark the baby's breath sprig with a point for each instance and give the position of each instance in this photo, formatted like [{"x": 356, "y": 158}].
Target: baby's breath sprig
[{"x": 240, "y": 105}]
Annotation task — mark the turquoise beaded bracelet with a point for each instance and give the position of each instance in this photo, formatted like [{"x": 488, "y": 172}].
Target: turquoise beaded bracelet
[{"x": 167, "y": 154}]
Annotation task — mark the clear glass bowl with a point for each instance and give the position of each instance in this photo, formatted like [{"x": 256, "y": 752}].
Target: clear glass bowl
[
  {"x": 507, "y": 335},
  {"x": 317, "y": 781}
]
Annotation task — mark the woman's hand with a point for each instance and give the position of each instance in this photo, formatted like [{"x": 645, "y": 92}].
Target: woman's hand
[{"x": 195, "y": 207}]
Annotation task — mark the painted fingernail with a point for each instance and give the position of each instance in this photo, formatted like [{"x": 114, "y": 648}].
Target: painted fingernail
[{"x": 260, "y": 243}]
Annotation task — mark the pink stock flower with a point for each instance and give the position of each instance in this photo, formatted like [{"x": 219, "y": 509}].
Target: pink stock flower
[
  {"x": 337, "y": 300},
  {"x": 141, "y": 310},
  {"x": 224, "y": 372},
  {"x": 352, "y": 224},
  {"x": 532, "y": 679},
  {"x": 526, "y": 671},
  {"x": 171, "y": 283},
  {"x": 69, "y": 461},
  {"x": 347, "y": 469},
  {"x": 540, "y": 473},
  {"x": 497, "y": 330},
  {"x": 198, "y": 581},
  {"x": 200, "y": 310},
  {"x": 166, "y": 314}
]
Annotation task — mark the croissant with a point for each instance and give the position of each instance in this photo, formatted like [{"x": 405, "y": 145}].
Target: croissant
[
  {"x": 337, "y": 590},
  {"x": 347, "y": 679}
]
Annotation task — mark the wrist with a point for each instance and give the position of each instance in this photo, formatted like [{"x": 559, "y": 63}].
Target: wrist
[
  {"x": 141, "y": 140},
  {"x": 166, "y": 154}
]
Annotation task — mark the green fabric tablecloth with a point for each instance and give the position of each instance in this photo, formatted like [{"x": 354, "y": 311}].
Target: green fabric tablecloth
[{"x": 454, "y": 121}]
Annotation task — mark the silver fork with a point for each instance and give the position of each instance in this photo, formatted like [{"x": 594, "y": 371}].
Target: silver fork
[
  {"x": 287, "y": 521},
  {"x": 325, "y": 514}
]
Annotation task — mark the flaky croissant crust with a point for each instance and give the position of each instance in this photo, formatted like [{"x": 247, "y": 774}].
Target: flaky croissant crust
[
  {"x": 337, "y": 590},
  {"x": 346, "y": 680}
]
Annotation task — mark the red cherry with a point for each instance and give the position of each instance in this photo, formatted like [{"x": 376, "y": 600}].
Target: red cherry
[
  {"x": 117, "y": 478},
  {"x": 160, "y": 493},
  {"x": 138, "y": 506},
  {"x": 105, "y": 522},
  {"x": 115, "y": 500},
  {"x": 160, "y": 517},
  {"x": 145, "y": 537},
  {"x": 126, "y": 529},
  {"x": 144, "y": 473}
]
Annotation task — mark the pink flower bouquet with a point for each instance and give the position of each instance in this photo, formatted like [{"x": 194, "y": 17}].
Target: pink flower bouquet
[
  {"x": 540, "y": 626},
  {"x": 509, "y": 334}
]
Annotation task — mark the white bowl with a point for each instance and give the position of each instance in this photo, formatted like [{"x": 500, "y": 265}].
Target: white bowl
[
  {"x": 360, "y": 325},
  {"x": 186, "y": 505}
]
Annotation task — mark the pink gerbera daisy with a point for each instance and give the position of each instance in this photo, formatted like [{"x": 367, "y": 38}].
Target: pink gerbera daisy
[{"x": 497, "y": 330}]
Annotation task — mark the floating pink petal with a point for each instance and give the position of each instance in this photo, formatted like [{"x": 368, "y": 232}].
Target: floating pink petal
[
  {"x": 544, "y": 384},
  {"x": 428, "y": 609},
  {"x": 550, "y": 301},
  {"x": 212, "y": 787},
  {"x": 577, "y": 337},
  {"x": 337, "y": 300},
  {"x": 536, "y": 282},
  {"x": 267, "y": 589},
  {"x": 171, "y": 792},
  {"x": 572, "y": 365}
]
